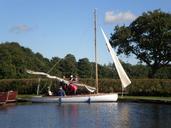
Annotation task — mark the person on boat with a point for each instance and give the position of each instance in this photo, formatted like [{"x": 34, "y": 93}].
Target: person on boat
[
  {"x": 71, "y": 78},
  {"x": 64, "y": 86},
  {"x": 73, "y": 88},
  {"x": 50, "y": 93},
  {"x": 75, "y": 79},
  {"x": 61, "y": 92}
]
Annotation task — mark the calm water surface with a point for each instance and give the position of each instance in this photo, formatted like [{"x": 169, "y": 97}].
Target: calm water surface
[{"x": 95, "y": 115}]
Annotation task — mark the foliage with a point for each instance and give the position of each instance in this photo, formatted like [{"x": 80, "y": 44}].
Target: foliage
[
  {"x": 15, "y": 59},
  {"x": 68, "y": 65},
  {"x": 84, "y": 68},
  {"x": 55, "y": 66},
  {"x": 148, "y": 37},
  {"x": 150, "y": 87}
]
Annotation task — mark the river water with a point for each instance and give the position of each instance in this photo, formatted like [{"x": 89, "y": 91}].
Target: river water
[{"x": 94, "y": 115}]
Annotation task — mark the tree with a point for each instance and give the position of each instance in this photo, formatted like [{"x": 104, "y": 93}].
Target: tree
[
  {"x": 7, "y": 71},
  {"x": 68, "y": 65},
  {"x": 15, "y": 59},
  {"x": 55, "y": 66},
  {"x": 84, "y": 68},
  {"x": 148, "y": 37},
  {"x": 139, "y": 71}
]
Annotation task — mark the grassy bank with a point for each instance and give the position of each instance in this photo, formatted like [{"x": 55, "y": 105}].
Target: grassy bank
[{"x": 145, "y": 99}]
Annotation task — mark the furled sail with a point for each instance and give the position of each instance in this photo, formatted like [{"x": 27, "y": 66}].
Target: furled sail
[
  {"x": 89, "y": 88},
  {"x": 47, "y": 75},
  {"x": 121, "y": 72}
]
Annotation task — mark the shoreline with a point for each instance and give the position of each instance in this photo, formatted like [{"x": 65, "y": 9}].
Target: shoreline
[
  {"x": 145, "y": 99},
  {"x": 134, "y": 99}
]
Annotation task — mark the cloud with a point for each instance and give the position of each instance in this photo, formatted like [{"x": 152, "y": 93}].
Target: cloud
[
  {"x": 21, "y": 28},
  {"x": 111, "y": 17}
]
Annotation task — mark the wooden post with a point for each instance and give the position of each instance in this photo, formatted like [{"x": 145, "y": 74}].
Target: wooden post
[{"x": 38, "y": 86}]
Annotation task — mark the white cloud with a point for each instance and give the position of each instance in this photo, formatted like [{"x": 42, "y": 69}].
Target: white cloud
[
  {"x": 20, "y": 28},
  {"x": 111, "y": 17}
]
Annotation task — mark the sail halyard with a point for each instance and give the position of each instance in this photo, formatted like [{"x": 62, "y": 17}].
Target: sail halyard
[{"x": 121, "y": 72}]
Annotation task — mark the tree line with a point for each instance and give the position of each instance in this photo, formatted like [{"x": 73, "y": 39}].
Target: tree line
[{"x": 15, "y": 59}]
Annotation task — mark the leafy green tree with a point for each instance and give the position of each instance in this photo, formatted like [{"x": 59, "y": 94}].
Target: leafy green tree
[
  {"x": 42, "y": 63},
  {"x": 55, "y": 66},
  {"x": 110, "y": 71},
  {"x": 84, "y": 68},
  {"x": 106, "y": 71},
  {"x": 68, "y": 65},
  {"x": 139, "y": 71},
  {"x": 7, "y": 71},
  {"x": 15, "y": 59},
  {"x": 164, "y": 73},
  {"x": 148, "y": 37},
  {"x": 7, "y": 68}
]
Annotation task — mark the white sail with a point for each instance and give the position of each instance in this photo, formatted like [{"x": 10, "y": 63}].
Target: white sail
[
  {"x": 121, "y": 72},
  {"x": 47, "y": 75},
  {"x": 89, "y": 88}
]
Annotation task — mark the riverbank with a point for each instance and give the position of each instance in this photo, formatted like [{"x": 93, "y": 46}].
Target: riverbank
[{"x": 145, "y": 99}]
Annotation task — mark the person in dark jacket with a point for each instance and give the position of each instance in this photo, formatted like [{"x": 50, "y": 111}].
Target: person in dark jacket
[{"x": 61, "y": 92}]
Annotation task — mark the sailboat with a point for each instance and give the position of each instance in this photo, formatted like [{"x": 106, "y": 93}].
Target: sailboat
[
  {"x": 90, "y": 98},
  {"x": 8, "y": 97}
]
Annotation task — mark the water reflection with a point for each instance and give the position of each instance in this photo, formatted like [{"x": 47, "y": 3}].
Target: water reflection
[
  {"x": 144, "y": 115},
  {"x": 5, "y": 107},
  {"x": 100, "y": 115},
  {"x": 88, "y": 115},
  {"x": 68, "y": 115}
]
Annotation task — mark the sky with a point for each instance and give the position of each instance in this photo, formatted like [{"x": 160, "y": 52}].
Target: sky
[{"x": 56, "y": 28}]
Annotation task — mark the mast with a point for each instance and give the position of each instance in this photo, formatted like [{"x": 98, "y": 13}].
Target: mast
[{"x": 95, "y": 44}]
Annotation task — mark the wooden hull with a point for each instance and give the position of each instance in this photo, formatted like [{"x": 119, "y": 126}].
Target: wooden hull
[
  {"x": 8, "y": 97},
  {"x": 76, "y": 98}
]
